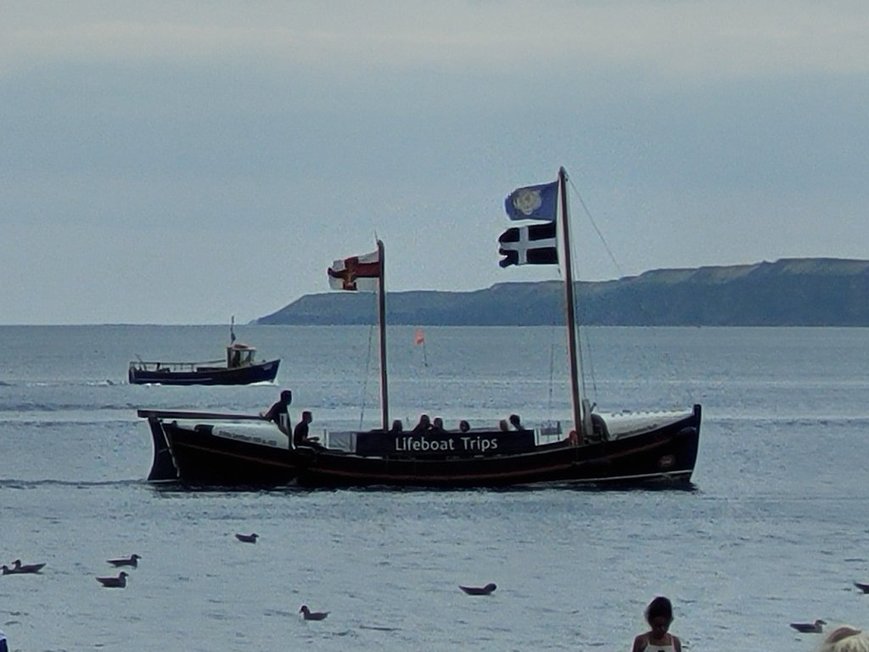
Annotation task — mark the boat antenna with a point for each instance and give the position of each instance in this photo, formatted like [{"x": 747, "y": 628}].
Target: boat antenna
[{"x": 232, "y": 329}]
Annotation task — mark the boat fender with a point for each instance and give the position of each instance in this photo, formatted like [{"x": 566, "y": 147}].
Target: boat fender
[{"x": 598, "y": 426}]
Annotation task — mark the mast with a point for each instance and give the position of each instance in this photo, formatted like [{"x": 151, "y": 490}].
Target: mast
[
  {"x": 582, "y": 428},
  {"x": 381, "y": 327}
]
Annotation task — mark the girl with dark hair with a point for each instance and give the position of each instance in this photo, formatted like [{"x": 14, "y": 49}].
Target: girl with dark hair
[{"x": 659, "y": 615}]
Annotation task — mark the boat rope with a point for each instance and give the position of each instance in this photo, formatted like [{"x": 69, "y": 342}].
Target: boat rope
[
  {"x": 365, "y": 377},
  {"x": 585, "y": 350},
  {"x": 596, "y": 229}
]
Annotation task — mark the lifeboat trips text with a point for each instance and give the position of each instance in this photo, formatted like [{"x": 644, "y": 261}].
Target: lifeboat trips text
[{"x": 458, "y": 444}]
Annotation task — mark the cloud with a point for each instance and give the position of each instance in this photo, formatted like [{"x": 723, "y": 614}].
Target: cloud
[{"x": 662, "y": 39}]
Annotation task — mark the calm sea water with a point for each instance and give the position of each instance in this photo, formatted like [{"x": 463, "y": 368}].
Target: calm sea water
[{"x": 776, "y": 530}]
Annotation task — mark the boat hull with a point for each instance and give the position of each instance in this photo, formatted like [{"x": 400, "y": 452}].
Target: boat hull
[
  {"x": 662, "y": 456},
  {"x": 264, "y": 372}
]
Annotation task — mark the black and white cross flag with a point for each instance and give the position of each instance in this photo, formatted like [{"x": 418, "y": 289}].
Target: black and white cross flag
[{"x": 529, "y": 245}]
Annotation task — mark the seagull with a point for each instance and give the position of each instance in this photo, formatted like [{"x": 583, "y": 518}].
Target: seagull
[
  {"x": 479, "y": 590},
  {"x": 247, "y": 538},
  {"x": 862, "y": 587},
  {"x": 118, "y": 582},
  {"x": 19, "y": 568},
  {"x": 132, "y": 561},
  {"x": 312, "y": 615},
  {"x": 810, "y": 628}
]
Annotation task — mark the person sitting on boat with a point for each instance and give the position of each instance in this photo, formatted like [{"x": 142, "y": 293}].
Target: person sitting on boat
[
  {"x": 503, "y": 425},
  {"x": 437, "y": 426},
  {"x": 424, "y": 424},
  {"x": 300, "y": 434},
  {"x": 279, "y": 411},
  {"x": 464, "y": 426},
  {"x": 516, "y": 422},
  {"x": 397, "y": 426}
]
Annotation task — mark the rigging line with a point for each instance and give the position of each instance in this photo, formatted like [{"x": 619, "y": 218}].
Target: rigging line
[
  {"x": 596, "y": 229},
  {"x": 585, "y": 369},
  {"x": 365, "y": 380}
]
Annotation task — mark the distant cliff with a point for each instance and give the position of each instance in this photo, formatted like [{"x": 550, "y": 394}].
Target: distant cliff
[{"x": 788, "y": 292}]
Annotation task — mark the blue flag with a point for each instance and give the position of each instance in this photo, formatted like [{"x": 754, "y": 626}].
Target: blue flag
[{"x": 533, "y": 202}]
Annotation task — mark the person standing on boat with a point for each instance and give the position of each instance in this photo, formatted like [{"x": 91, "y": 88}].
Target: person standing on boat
[
  {"x": 279, "y": 412},
  {"x": 659, "y": 615},
  {"x": 300, "y": 434}
]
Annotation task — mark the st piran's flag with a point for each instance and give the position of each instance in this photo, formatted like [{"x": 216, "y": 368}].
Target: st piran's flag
[
  {"x": 529, "y": 245},
  {"x": 357, "y": 273}
]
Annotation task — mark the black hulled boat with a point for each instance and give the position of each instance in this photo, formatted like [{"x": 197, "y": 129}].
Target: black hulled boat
[{"x": 626, "y": 449}]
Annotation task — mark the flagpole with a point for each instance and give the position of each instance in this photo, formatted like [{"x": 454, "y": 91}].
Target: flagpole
[
  {"x": 575, "y": 398},
  {"x": 381, "y": 320}
]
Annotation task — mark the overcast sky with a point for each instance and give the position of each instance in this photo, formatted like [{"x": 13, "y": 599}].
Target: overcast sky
[{"x": 171, "y": 162}]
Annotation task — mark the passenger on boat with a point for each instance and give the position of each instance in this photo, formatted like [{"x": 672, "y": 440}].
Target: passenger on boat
[
  {"x": 659, "y": 615},
  {"x": 279, "y": 411},
  {"x": 464, "y": 426},
  {"x": 437, "y": 426},
  {"x": 300, "y": 434},
  {"x": 397, "y": 426},
  {"x": 503, "y": 425},
  {"x": 424, "y": 424},
  {"x": 516, "y": 422}
]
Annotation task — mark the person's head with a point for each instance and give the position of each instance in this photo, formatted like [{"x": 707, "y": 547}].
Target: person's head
[
  {"x": 464, "y": 426},
  {"x": 845, "y": 639},
  {"x": 287, "y": 396},
  {"x": 439, "y": 423},
  {"x": 514, "y": 421},
  {"x": 307, "y": 417},
  {"x": 659, "y": 615},
  {"x": 397, "y": 426},
  {"x": 424, "y": 419},
  {"x": 502, "y": 424}
]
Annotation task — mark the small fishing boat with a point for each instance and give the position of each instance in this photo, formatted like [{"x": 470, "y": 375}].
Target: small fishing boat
[
  {"x": 239, "y": 368},
  {"x": 658, "y": 448}
]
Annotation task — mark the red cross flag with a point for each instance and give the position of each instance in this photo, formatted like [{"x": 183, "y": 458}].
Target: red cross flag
[{"x": 357, "y": 273}]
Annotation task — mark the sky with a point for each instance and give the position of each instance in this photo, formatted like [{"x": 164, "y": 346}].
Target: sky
[{"x": 183, "y": 162}]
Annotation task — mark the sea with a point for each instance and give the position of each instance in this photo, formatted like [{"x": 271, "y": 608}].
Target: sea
[{"x": 775, "y": 529}]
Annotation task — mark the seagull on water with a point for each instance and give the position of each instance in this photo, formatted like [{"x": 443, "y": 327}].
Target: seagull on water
[
  {"x": 479, "y": 590},
  {"x": 132, "y": 560},
  {"x": 307, "y": 614},
  {"x": 19, "y": 569},
  {"x": 247, "y": 538},
  {"x": 118, "y": 582},
  {"x": 810, "y": 628}
]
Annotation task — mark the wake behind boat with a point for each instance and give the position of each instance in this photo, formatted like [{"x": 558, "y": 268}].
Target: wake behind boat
[
  {"x": 239, "y": 368},
  {"x": 623, "y": 449}
]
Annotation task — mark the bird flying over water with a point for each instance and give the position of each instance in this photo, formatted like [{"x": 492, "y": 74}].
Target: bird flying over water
[
  {"x": 118, "y": 582},
  {"x": 247, "y": 538},
  {"x": 132, "y": 560},
  {"x": 307, "y": 614},
  {"x": 479, "y": 590},
  {"x": 810, "y": 628}
]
